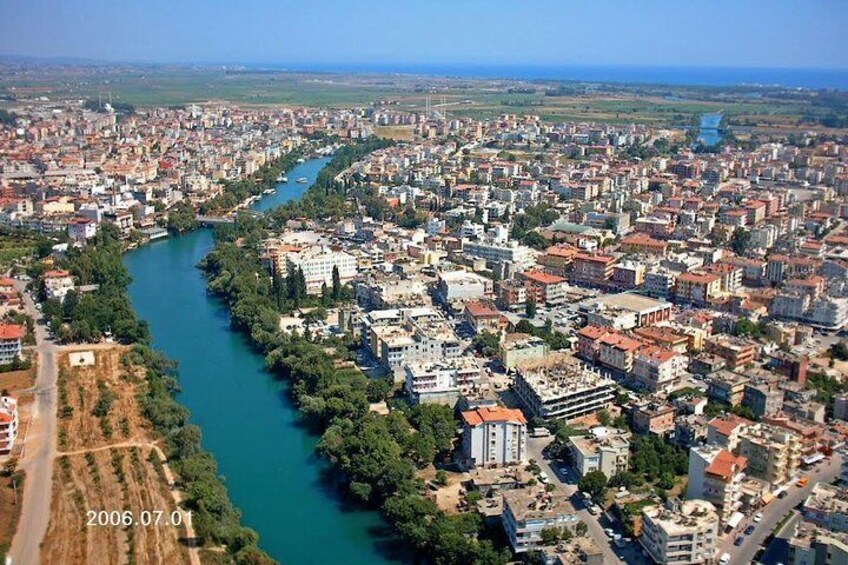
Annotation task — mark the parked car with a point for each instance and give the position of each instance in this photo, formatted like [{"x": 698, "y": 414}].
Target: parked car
[
  {"x": 749, "y": 530},
  {"x": 724, "y": 559},
  {"x": 739, "y": 541},
  {"x": 758, "y": 517}
]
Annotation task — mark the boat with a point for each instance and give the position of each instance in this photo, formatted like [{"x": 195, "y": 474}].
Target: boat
[
  {"x": 303, "y": 180},
  {"x": 301, "y": 160},
  {"x": 282, "y": 179},
  {"x": 269, "y": 191}
]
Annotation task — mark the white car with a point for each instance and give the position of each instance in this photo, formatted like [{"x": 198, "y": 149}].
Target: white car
[
  {"x": 758, "y": 517},
  {"x": 724, "y": 559}
]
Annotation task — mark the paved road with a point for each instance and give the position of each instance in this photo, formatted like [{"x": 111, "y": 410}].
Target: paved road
[
  {"x": 774, "y": 512},
  {"x": 630, "y": 553},
  {"x": 40, "y": 450}
]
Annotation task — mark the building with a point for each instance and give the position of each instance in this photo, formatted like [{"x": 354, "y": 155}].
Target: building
[
  {"x": 626, "y": 310},
  {"x": 57, "y": 284},
  {"x": 519, "y": 349},
  {"x": 727, "y": 387},
  {"x": 526, "y": 512},
  {"x": 697, "y": 288},
  {"x": 494, "y": 436},
  {"x": 11, "y": 339},
  {"x": 563, "y": 388},
  {"x": 462, "y": 285},
  {"x": 441, "y": 381},
  {"x": 545, "y": 288},
  {"x": 658, "y": 370},
  {"x": 814, "y": 545},
  {"x": 483, "y": 317},
  {"x": 317, "y": 264},
  {"x": 602, "y": 450},
  {"x": 736, "y": 351},
  {"x": 495, "y": 252},
  {"x": 716, "y": 475},
  {"x": 827, "y": 506},
  {"x": 682, "y": 533},
  {"x": 618, "y": 351},
  {"x": 724, "y": 431},
  {"x": 773, "y": 453},
  {"x": 763, "y": 399},
  {"x": 653, "y": 418},
  {"x": 8, "y": 424},
  {"x": 81, "y": 229},
  {"x": 591, "y": 270}
]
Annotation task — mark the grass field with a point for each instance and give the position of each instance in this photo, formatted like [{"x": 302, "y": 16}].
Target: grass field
[{"x": 479, "y": 98}]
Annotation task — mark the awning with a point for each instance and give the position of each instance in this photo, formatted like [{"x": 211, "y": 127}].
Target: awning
[
  {"x": 735, "y": 519},
  {"x": 813, "y": 459}
]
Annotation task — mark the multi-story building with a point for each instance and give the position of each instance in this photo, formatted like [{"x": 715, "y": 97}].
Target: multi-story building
[
  {"x": 440, "y": 381},
  {"x": 492, "y": 252},
  {"x": 57, "y": 284},
  {"x": 317, "y": 264},
  {"x": 591, "y": 270},
  {"x": 827, "y": 506},
  {"x": 697, "y": 288},
  {"x": 814, "y": 545},
  {"x": 618, "y": 351},
  {"x": 602, "y": 450},
  {"x": 11, "y": 338},
  {"x": 563, "y": 388},
  {"x": 652, "y": 418},
  {"x": 8, "y": 423},
  {"x": 658, "y": 370},
  {"x": 680, "y": 533},
  {"x": 483, "y": 317},
  {"x": 519, "y": 349},
  {"x": 716, "y": 475},
  {"x": 763, "y": 399},
  {"x": 724, "y": 431},
  {"x": 494, "y": 437},
  {"x": 463, "y": 285},
  {"x": 545, "y": 288},
  {"x": 736, "y": 351},
  {"x": 773, "y": 453},
  {"x": 727, "y": 387},
  {"x": 527, "y": 512}
]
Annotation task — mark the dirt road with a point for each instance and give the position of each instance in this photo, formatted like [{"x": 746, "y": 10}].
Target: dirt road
[{"x": 39, "y": 450}]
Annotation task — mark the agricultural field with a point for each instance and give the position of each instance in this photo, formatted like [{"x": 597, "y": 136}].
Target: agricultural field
[{"x": 108, "y": 460}]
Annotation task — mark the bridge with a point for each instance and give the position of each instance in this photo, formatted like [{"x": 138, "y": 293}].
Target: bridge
[{"x": 215, "y": 220}]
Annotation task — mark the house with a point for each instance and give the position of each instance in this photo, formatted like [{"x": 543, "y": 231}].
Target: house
[
  {"x": 601, "y": 450},
  {"x": 57, "y": 284},
  {"x": 526, "y": 512},
  {"x": 484, "y": 317},
  {"x": 11, "y": 339},
  {"x": 8, "y": 424}
]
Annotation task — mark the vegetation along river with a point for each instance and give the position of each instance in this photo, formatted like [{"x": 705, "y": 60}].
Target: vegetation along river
[{"x": 249, "y": 423}]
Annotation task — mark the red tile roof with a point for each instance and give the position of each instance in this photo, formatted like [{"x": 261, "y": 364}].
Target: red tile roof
[{"x": 495, "y": 414}]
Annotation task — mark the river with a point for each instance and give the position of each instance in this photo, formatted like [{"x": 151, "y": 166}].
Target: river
[
  {"x": 249, "y": 423},
  {"x": 709, "y": 134}
]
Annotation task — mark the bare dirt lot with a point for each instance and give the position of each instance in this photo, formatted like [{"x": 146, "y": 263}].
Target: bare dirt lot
[{"x": 104, "y": 464}]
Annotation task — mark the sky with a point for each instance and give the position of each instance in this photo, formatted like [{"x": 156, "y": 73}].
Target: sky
[{"x": 665, "y": 33}]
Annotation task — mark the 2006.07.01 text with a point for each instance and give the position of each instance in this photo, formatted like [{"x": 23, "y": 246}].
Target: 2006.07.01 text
[{"x": 145, "y": 518}]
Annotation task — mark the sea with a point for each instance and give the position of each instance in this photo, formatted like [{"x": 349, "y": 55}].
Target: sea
[{"x": 808, "y": 78}]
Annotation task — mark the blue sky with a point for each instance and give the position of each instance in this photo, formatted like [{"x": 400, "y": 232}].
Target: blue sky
[{"x": 740, "y": 33}]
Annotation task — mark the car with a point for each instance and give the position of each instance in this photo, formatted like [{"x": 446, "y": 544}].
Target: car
[
  {"x": 739, "y": 541},
  {"x": 749, "y": 530},
  {"x": 758, "y": 517},
  {"x": 609, "y": 532},
  {"x": 594, "y": 510},
  {"x": 724, "y": 559}
]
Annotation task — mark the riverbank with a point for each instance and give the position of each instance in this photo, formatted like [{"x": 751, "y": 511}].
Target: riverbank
[
  {"x": 248, "y": 420},
  {"x": 377, "y": 459}
]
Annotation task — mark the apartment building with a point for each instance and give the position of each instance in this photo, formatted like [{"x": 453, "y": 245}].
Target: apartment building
[
  {"x": 773, "y": 453},
  {"x": 736, "y": 351},
  {"x": 482, "y": 316},
  {"x": 11, "y": 339},
  {"x": 545, "y": 288},
  {"x": 727, "y": 387},
  {"x": 563, "y": 388},
  {"x": 463, "y": 285},
  {"x": 317, "y": 264},
  {"x": 658, "y": 370},
  {"x": 494, "y": 436},
  {"x": 493, "y": 252},
  {"x": 602, "y": 450},
  {"x": 618, "y": 351},
  {"x": 653, "y": 418},
  {"x": 8, "y": 424},
  {"x": 827, "y": 506},
  {"x": 591, "y": 270},
  {"x": 526, "y": 512},
  {"x": 724, "y": 431},
  {"x": 698, "y": 288},
  {"x": 814, "y": 545},
  {"x": 716, "y": 475},
  {"x": 764, "y": 399},
  {"x": 680, "y": 533},
  {"x": 519, "y": 349},
  {"x": 57, "y": 284},
  {"x": 442, "y": 381}
]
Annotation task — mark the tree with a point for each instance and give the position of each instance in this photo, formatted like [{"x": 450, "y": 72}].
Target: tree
[
  {"x": 595, "y": 484},
  {"x": 740, "y": 240},
  {"x": 337, "y": 283},
  {"x": 839, "y": 351},
  {"x": 530, "y": 308},
  {"x": 551, "y": 535},
  {"x": 486, "y": 343},
  {"x": 604, "y": 417}
]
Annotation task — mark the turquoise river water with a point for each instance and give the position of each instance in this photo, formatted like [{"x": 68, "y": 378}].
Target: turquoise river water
[{"x": 249, "y": 423}]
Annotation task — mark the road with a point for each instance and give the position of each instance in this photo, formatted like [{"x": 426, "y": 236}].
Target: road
[
  {"x": 630, "y": 554},
  {"x": 774, "y": 512},
  {"x": 40, "y": 448}
]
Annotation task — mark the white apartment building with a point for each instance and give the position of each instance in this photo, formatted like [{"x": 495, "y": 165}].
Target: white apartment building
[
  {"x": 463, "y": 285},
  {"x": 683, "y": 533},
  {"x": 716, "y": 475},
  {"x": 57, "y": 284},
  {"x": 512, "y": 252},
  {"x": 658, "y": 369},
  {"x": 565, "y": 388},
  {"x": 317, "y": 264},
  {"x": 494, "y": 436},
  {"x": 8, "y": 423},
  {"x": 11, "y": 336},
  {"x": 527, "y": 512},
  {"x": 602, "y": 450},
  {"x": 440, "y": 381},
  {"x": 773, "y": 453}
]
